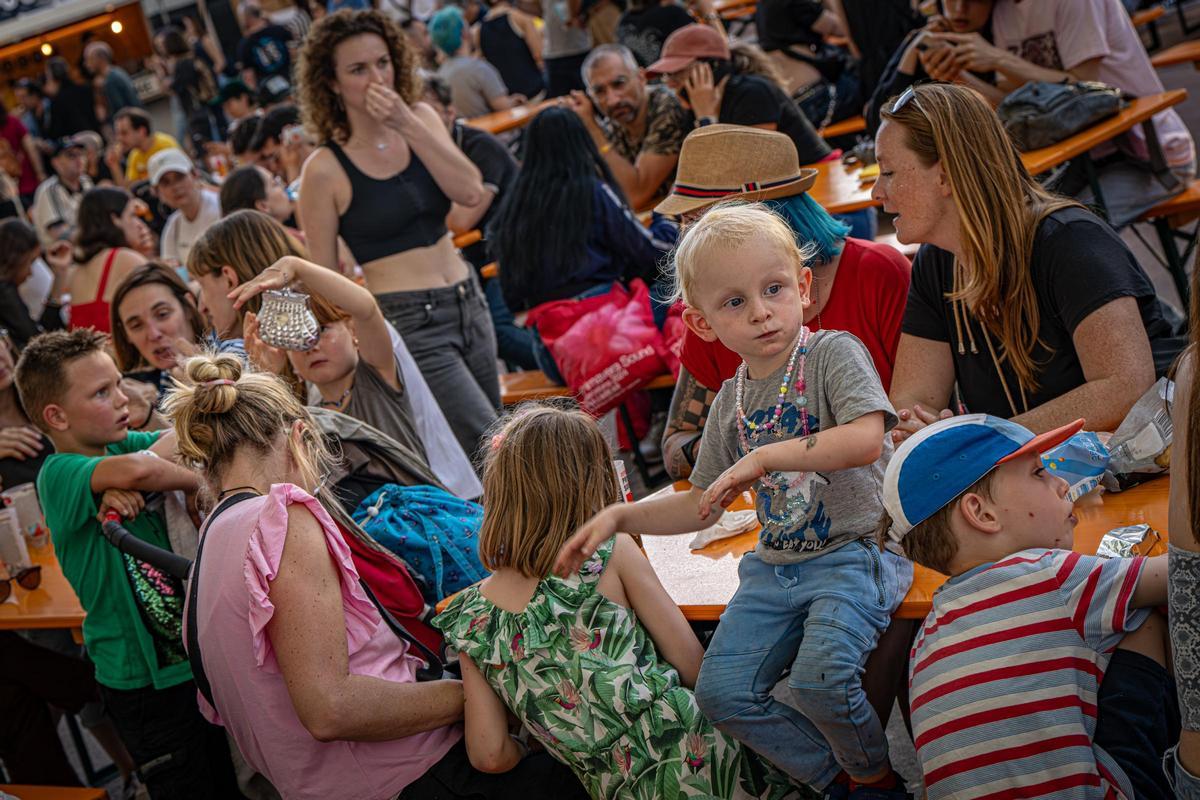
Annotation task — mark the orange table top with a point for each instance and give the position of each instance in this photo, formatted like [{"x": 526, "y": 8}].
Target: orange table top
[
  {"x": 52, "y": 792},
  {"x": 702, "y": 581},
  {"x": 839, "y": 189},
  {"x": 1181, "y": 53},
  {"x": 506, "y": 120},
  {"x": 517, "y": 387},
  {"x": 51, "y": 605},
  {"x": 1137, "y": 112},
  {"x": 851, "y": 125}
]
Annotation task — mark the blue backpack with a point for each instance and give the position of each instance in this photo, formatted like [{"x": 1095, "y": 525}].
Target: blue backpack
[{"x": 431, "y": 529}]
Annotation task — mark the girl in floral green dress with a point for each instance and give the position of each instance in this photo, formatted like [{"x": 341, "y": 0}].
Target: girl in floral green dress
[{"x": 578, "y": 660}]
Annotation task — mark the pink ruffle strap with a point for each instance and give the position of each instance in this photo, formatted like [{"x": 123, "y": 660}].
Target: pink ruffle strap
[{"x": 263, "y": 552}]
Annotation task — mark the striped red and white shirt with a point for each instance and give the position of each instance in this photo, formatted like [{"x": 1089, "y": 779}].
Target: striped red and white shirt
[{"x": 1005, "y": 674}]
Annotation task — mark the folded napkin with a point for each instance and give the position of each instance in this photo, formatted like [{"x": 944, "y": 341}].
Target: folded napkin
[{"x": 731, "y": 524}]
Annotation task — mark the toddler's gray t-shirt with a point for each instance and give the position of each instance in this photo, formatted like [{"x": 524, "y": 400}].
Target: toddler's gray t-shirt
[{"x": 824, "y": 511}]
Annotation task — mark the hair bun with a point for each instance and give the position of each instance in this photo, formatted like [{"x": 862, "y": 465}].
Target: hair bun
[{"x": 214, "y": 379}]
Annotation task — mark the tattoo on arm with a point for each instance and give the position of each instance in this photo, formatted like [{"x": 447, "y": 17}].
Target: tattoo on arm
[{"x": 810, "y": 442}]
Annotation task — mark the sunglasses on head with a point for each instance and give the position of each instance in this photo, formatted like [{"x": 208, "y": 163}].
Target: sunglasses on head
[
  {"x": 29, "y": 578},
  {"x": 909, "y": 95}
]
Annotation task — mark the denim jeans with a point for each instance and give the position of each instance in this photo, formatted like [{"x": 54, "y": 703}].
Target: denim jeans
[
  {"x": 179, "y": 755},
  {"x": 514, "y": 343},
  {"x": 1185, "y": 784},
  {"x": 449, "y": 333},
  {"x": 819, "y": 618}
]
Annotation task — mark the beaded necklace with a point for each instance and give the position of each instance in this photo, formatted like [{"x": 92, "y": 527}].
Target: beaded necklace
[{"x": 749, "y": 431}]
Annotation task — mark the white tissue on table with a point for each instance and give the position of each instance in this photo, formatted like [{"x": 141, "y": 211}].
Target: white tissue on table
[{"x": 731, "y": 524}]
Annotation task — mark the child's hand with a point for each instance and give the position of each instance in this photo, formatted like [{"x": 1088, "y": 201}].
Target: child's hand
[
  {"x": 125, "y": 502},
  {"x": 732, "y": 482},
  {"x": 583, "y": 544}
]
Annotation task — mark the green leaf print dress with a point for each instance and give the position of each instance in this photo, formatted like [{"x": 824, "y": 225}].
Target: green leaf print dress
[{"x": 584, "y": 677}]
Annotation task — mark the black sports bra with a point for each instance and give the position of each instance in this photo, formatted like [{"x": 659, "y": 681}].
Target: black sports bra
[{"x": 392, "y": 215}]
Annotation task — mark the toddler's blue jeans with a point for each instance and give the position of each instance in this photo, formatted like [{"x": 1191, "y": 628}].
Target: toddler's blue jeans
[{"x": 819, "y": 618}]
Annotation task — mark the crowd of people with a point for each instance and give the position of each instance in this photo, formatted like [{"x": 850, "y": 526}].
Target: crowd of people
[{"x": 253, "y": 341}]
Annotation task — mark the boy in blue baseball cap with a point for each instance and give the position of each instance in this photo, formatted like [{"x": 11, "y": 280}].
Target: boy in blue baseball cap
[{"x": 1039, "y": 672}]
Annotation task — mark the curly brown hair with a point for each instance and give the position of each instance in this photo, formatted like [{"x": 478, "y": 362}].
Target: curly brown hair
[{"x": 322, "y": 109}]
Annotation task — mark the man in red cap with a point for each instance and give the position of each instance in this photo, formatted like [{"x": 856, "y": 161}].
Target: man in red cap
[{"x": 697, "y": 64}]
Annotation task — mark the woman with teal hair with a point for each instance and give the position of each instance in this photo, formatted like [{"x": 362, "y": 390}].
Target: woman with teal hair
[{"x": 476, "y": 87}]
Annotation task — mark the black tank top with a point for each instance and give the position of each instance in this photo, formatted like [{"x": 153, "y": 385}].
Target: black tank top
[
  {"x": 509, "y": 54},
  {"x": 392, "y": 215}
]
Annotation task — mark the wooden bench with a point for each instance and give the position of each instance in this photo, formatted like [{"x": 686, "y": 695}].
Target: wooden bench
[
  {"x": 1182, "y": 53},
  {"x": 1168, "y": 218},
  {"x": 467, "y": 239},
  {"x": 844, "y": 128},
  {"x": 53, "y": 792},
  {"x": 1150, "y": 17},
  {"x": 909, "y": 250}
]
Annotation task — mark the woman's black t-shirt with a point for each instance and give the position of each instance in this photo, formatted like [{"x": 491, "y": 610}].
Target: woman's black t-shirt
[
  {"x": 754, "y": 100},
  {"x": 644, "y": 31},
  {"x": 1079, "y": 265}
]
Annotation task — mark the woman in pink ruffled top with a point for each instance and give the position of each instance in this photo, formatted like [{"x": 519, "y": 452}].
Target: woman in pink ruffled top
[{"x": 318, "y": 693}]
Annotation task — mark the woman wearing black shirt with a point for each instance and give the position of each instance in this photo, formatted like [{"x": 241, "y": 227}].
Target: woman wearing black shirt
[{"x": 1028, "y": 301}]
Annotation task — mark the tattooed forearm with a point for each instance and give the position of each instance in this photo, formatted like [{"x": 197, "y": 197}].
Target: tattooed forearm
[
  {"x": 690, "y": 405},
  {"x": 810, "y": 442}
]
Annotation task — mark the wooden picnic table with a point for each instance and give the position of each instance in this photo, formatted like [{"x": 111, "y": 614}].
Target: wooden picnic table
[
  {"x": 847, "y": 126},
  {"x": 1182, "y": 53},
  {"x": 22, "y": 792},
  {"x": 702, "y": 582},
  {"x": 510, "y": 118},
  {"x": 1138, "y": 111},
  {"x": 51, "y": 605},
  {"x": 839, "y": 189}
]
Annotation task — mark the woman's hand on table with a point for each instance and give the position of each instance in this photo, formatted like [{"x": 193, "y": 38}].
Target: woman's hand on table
[
  {"x": 261, "y": 354},
  {"x": 703, "y": 95},
  {"x": 582, "y": 545},
  {"x": 20, "y": 442},
  {"x": 914, "y": 420}
]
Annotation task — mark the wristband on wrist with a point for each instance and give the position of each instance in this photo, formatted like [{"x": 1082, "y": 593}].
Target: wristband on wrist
[{"x": 705, "y": 120}]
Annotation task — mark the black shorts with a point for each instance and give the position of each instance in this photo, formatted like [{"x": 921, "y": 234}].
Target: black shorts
[{"x": 1138, "y": 720}]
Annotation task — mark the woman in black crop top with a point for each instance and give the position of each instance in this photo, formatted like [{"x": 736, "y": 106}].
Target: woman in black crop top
[{"x": 384, "y": 181}]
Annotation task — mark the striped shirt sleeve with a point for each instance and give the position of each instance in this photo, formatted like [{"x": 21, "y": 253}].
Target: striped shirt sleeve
[{"x": 1097, "y": 592}]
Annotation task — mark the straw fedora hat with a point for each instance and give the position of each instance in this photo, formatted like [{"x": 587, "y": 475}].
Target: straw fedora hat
[{"x": 720, "y": 162}]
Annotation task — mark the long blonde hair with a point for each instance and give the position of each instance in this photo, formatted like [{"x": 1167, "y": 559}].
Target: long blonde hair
[
  {"x": 221, "y": 408},
  {"x": 1000, "y": 207},
  {"x": 548, "y": 471},
  {"x": 248, "y": 242}
]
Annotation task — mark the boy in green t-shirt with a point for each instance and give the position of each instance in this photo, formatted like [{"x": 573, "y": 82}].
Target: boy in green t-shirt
[{"x": 70, "y": 388}]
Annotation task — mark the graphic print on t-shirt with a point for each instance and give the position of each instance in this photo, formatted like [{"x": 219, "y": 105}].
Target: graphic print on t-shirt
[
  {"x": 1041, "y": 50},
  {"x": 793, "y": 517}
]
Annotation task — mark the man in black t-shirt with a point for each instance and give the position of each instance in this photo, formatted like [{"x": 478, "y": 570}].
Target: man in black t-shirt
[
  {"x": 265, "y": 49},
  {"x": 697, "y": 64}
]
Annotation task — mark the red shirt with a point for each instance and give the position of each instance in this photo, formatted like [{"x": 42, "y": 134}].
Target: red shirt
[{"x": 869, "y": 293}]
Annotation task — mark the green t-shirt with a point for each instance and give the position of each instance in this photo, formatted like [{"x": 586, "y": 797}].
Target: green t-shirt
[{"x": 133, "y": 629}]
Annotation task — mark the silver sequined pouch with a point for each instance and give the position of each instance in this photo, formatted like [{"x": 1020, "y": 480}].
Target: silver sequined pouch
[{"x": 286, "y": 321}]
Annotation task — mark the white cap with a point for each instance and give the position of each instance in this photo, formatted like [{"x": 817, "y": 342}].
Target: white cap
[{"x": 170, "y": 160}]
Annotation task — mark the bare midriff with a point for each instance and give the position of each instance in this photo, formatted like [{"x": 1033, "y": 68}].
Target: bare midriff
[{"x": 421, "y": 268}]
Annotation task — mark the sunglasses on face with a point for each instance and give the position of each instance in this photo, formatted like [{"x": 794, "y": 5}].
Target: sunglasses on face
[{"x": 29, "y": 578}]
